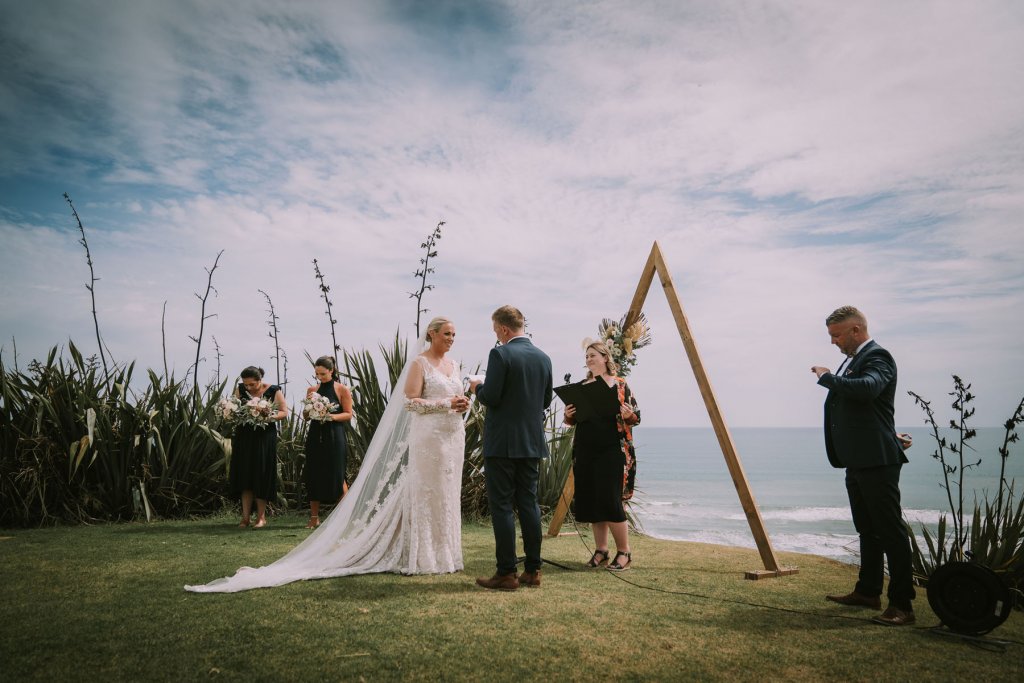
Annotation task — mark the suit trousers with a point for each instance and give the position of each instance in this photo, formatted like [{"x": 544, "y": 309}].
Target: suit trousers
[
  {"x": 514, "y": 480},
  {"x": 875, "y": 503}
]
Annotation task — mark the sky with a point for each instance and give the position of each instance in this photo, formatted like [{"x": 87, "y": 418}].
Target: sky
[{"x": 788, "y": 157}]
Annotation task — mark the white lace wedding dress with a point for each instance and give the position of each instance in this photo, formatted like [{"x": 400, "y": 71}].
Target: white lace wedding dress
[{"x": 402, "y": 513}]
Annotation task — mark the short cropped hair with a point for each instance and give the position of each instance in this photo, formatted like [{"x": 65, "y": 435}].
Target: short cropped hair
[
  {"x": 510, "y": 317},
  {"x": 844, "y": 313}
]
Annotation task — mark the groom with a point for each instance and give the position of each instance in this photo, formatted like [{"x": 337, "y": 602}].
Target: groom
[{"x": 516, "y": 390}]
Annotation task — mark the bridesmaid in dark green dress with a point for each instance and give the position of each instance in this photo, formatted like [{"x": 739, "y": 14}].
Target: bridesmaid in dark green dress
[
  {"x": 326, "y": 450},
  {"x": 254, "y": 449}
]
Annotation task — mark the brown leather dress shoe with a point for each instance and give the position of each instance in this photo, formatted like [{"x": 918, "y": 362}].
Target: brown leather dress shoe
[
  {"x": 530, "y": 579},
  {"x": 499, "y": 582},
  {"x": 894, "y": 616},
  {"x": 856, "y": 599}
]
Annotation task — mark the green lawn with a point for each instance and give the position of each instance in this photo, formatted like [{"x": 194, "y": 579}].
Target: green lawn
[{"x": 106, "y": 603}]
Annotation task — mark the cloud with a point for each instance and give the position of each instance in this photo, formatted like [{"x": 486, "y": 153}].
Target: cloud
[{"x": 788, "y": 157}]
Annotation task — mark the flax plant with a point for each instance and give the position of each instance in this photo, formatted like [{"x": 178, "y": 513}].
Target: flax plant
[
  {"x": 994, "y": 534},
  {"x": 554, "y": 471},
  {"x": 369, "y": 395},
  {"x": 76, "y": 452},
  {"x": 961, "y": 404},
  {"x": 291, "y": 460},
  {"x": 474, "y": 492},
  {"x": 91, "y": 286}
]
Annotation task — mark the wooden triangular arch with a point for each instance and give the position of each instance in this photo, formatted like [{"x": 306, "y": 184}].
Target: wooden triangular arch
[{"x": 656, "y": 264}]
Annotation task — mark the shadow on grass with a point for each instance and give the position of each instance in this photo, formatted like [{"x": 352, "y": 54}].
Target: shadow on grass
[{"x": 282, "y": 529}]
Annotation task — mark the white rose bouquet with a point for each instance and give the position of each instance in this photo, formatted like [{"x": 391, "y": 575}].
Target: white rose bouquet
[
  {"x": 319, "y": 408},
  {"x": 227, "y": 408},
  {"x": 255, "y": 412}
]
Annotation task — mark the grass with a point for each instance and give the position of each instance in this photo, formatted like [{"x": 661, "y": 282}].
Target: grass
[{"x": 106, "y": 603}]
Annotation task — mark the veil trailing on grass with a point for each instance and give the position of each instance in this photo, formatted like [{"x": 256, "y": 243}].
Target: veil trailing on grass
[{"x": 365, "y": 533}]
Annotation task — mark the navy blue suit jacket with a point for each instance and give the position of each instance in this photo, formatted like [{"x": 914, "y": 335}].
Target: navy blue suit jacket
[
  {"x": 516, "y": 391},
  {"x": 860, "y": 429}
]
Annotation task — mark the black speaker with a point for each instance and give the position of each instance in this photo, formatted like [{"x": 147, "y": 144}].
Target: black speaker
[{"x": 968, "y": 598}]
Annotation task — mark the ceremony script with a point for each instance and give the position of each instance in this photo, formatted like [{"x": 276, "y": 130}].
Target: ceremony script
[{"x": 592, "y": 399}]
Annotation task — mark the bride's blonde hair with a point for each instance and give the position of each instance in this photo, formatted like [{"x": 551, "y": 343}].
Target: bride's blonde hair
[{"x": 436, "y": 324}]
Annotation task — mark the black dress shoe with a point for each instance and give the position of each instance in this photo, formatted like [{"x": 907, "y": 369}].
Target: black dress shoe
[
  {"x": 499, "y": 582},
  {"x": 856, "y": 599}
]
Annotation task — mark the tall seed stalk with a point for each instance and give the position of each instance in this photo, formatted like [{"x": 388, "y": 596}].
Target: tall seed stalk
[
  {"x": 163, "y": 338},
  {"x": 962, "y": 397},
  {"x": 324, "y": 289},
  {"x": 1004, "y": 452},
  {"x": 284, "y": 362},
  {"x": 219, "y": 355},
  {"x": 203, "y": 317},
  {"x": 273, "y": 334},
  {"x": 91, "y": 286},
  {"x": 14, "y": 344},
  {"x": 939, "y": 453},
  {"x": 423, "y": 271}
]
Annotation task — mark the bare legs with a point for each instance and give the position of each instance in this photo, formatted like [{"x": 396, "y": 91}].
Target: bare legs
[
  {"x": 620, "y": 532},
  {"x": 314, "y": 508},
  {"x": 261, "y": 511}
]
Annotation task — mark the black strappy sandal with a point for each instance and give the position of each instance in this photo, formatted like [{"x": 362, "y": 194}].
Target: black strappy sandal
[
  {"x": 616, "y": 567},
  {"x": 595, "y": 562}
]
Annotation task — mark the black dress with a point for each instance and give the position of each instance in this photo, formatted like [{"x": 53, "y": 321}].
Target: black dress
[
  {"x": 326, "y": 454},
  {"x": 254, "y": 454},
  {"x": 598, "y": 463}
]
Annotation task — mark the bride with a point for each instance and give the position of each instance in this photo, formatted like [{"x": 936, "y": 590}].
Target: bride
[{"x": 402, "y": 513}]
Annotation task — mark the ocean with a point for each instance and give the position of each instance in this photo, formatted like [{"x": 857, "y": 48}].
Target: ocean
[{"x": 684, "y": 491}]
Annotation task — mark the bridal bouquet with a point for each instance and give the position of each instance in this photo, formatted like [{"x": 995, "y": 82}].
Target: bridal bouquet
[
  {"x": 227, "y": 407},
  {"x": 255, "y": 412},
  {"x": 623, "y": 342},
  {"x": 318, "y": 407}
]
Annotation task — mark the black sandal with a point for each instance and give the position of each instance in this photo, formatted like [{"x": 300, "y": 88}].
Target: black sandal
[
  {"x": 595, "y": 562},
  {"x": 616, "y": 567}
]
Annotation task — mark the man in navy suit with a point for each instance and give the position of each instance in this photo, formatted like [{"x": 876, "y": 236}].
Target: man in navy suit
[
  {"x": 516, "y": 390},
  {"x": 860, "y": 435}
]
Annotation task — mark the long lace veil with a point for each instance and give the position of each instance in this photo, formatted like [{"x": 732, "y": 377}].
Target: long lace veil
[{"x": 363, "y": 534}]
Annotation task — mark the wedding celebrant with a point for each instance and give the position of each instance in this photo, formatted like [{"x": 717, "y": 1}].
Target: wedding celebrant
[
  {"x": 602, "y": 456},
  {"x": 516, "y": 390}
]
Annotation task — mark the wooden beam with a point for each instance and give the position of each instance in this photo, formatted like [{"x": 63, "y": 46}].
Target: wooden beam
[
  {"x": 568, "y": 491},
  {"x": 642, "y": 288},
  {"x": 725, "y": 442}
]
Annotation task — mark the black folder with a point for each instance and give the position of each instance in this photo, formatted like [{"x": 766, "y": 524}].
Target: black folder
[{"x": 593, "y": 399}]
